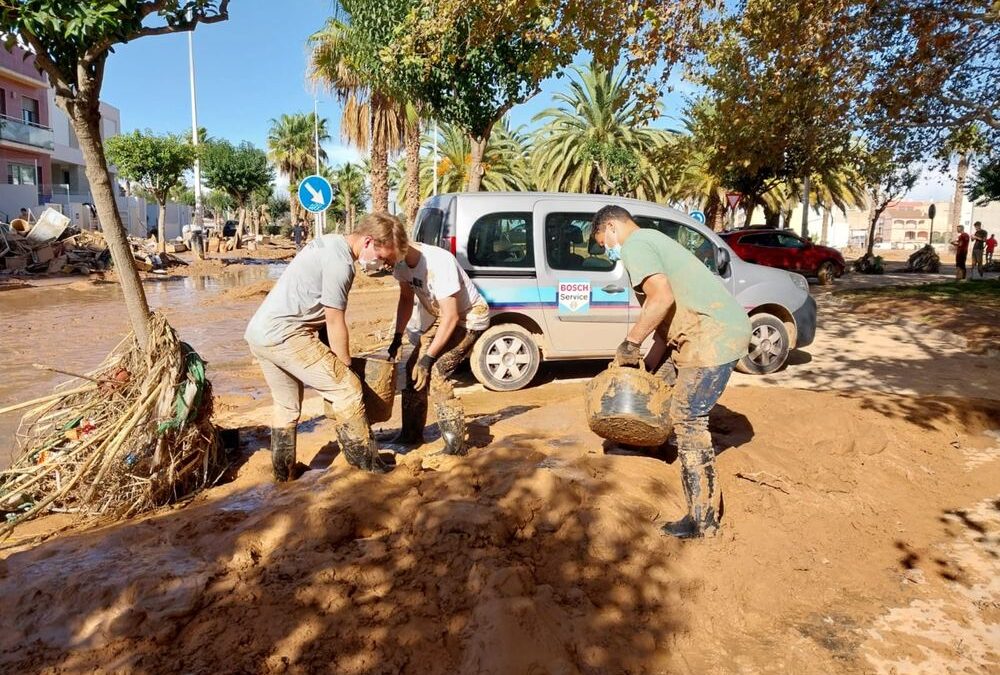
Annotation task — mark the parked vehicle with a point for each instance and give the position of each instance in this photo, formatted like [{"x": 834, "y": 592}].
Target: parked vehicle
[
  {"x": 788, "y": 251},
  {"x": 553, "y": 297}
]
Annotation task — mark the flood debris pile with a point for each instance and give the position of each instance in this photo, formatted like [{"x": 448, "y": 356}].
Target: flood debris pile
[
  {"x": 924, "y": 259},
  {"x": 52, "y": 246},
  {"x": 136, "y": 435}
]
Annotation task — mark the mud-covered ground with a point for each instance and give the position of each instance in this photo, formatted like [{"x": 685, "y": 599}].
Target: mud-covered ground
[{"x": 861, "y": 530}]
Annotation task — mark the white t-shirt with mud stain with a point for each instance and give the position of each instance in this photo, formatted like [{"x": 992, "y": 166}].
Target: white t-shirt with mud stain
[{"x": 436, "y": 276}]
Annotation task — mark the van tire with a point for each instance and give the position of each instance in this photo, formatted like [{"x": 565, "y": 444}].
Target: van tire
[
  {"x": 765, "y": 327},
  {"x": 505, "y": 358}
]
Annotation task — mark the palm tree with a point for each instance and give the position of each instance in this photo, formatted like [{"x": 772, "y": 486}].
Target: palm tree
[
  {"x": 598, "y": 139},
  {"x": 351, "y": 194},
  {"x": 686, "y": 167},
  {"x": 506, "y": 160},
  {"x": 291, "y": 144},
  {"x": 373, "y": 120},
  {"x": 963, "y": 143}
]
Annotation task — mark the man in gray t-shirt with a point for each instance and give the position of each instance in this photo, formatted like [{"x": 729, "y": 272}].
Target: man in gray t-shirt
[{"x": 284, "y": 337}]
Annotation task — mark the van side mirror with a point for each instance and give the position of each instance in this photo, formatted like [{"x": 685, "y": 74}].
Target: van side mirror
[{"x": 722, "y": 260}]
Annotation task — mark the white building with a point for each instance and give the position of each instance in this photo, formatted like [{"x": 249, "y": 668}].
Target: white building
[{"x": 68, "y": 175}]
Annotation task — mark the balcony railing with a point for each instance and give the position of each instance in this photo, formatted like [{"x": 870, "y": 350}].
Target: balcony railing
[{"x": 19, "y": 131}]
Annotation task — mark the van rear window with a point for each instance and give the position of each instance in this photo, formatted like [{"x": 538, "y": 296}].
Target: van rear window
[
  {"x": 430, "y": 226},
  {"x": 502, "y": 240}
]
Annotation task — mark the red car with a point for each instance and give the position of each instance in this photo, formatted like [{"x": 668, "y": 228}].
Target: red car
[{"x": 788, "y": 251}]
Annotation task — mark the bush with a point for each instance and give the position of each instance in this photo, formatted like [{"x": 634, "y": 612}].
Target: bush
[{"x": 273, "y": 230}]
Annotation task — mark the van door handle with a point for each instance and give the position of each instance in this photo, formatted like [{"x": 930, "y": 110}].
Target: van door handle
[{"x": 611, "y": 288}]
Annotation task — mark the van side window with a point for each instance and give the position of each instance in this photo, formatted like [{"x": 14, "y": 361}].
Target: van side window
[
  {"x": 688, "y": 237},
  {"x": 430, "y": 226},
  {"x": 502, "y": 240},
  {"x": 567, "y": 244}
]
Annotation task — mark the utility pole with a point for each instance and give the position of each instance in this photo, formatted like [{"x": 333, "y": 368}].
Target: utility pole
[
  {"x": 805, "y": 206},
  {"x": 199, "y": 213},
  {"x": 320, "y": 215},
  {"x": 435, "y": 158}
]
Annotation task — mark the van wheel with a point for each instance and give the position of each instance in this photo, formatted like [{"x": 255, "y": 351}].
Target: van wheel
[
  {"x": 827, "y": 273},
  {"x": 505, "y": 358},
  {"x": 768, "y": 346}
]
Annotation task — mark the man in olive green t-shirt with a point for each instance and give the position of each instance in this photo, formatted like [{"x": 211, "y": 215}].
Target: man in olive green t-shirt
[{"x": 700, "y": 332}]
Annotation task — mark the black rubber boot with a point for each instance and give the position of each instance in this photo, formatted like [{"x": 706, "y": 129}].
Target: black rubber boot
[
  {"x": 451, "y": 421},
  {"x": 414, "y": 404},
  {"x": 359, "y": 446},
  {"x": 704, "y": 501},
  {"x": 283, "y": 453}
]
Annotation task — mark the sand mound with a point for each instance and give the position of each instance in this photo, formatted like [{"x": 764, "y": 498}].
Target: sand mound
[{"x": 538, "y": 553}]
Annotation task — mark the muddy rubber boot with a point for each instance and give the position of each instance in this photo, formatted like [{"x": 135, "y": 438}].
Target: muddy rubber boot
[
  {"x": 414, "y": 404},
  {"x": 359, "y": 446},
  {"x": 451, "y": 421},
  {"x": 704, "y": 501},
  {"x": 283, "y": 453}
]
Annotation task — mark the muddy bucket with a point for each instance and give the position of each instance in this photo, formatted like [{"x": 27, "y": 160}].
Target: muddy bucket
[
  {"x": 628, "y": 405},
  {"x": 378, "y": 386}
]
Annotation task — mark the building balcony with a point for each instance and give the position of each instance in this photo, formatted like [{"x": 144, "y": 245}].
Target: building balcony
[{"x": 26, "y": 133}]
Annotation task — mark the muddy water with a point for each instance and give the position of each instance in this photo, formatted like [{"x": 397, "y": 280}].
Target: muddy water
[{"x": 73, "y": 327}]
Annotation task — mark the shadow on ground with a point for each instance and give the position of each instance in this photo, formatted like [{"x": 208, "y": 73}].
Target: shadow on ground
[{"x": 498, "y": 562}]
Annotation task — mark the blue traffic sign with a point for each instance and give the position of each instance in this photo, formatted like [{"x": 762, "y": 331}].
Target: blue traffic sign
[
  {"x": 315, "y": 193},
  {"x": 698, "y": 216}
]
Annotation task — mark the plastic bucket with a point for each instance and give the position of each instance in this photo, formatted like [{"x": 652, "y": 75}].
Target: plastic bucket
[
  {"x": 628, "y": 405},
  {"x": 378, "y": 386}
]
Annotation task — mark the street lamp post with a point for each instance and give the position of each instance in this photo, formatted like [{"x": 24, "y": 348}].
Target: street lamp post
[
  {"x": 199, "y": 213},
  {"x": 931, "y": 212},
  {"x": 320, "y": 215}
]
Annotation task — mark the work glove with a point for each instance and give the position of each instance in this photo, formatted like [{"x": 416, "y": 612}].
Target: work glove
[
  {"x": 422, "y": 372},
  {"x": 627, "y": 354},
  {"x": 397, "y": 342}
]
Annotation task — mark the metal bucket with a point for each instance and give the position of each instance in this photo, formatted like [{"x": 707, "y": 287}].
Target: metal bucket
[
  {"x": 378, "y": 385},
  {"x": 628, "y": 405}
]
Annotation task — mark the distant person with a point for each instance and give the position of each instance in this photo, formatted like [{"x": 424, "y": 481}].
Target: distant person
[
  {"x": 25, "y": 215},
  {"x": 298, "y": 234},
  {"x": 961, "y": 244},
  {"x": 978, "y": 249},
  {"x": 991, "y": 244}
]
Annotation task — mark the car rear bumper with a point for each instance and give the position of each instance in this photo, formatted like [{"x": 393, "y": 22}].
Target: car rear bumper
[{"x": 805, "y": 323}]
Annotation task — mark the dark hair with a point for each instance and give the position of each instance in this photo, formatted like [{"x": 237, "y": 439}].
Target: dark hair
[{"x": 606, "y": 215}]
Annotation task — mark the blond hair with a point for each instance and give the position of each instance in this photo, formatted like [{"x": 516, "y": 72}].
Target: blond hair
[{"x": 385, "y": 228}]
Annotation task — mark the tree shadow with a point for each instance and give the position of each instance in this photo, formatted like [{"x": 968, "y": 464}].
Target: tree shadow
[{"x": 507, "y": 561}]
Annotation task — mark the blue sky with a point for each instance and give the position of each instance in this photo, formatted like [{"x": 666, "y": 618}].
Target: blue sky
[
  {"x": 249, "y": 70},
  {"x": 252, "y": 68}
]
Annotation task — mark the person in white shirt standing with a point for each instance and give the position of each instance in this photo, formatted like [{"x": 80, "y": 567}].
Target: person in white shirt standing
[{"x": 451, "y": 315}]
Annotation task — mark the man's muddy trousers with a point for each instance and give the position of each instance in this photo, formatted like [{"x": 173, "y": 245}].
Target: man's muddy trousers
[
  {"x": 695, "y": 393},
  {"x": 302, "y": 361},
  {"x": 441, "y": 392}
]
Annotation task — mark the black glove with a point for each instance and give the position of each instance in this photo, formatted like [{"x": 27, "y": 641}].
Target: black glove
[
  {"x": 627, "y": 354},
  {"x": 397, "y": 342},
  {"x": 422, "y": 372}
]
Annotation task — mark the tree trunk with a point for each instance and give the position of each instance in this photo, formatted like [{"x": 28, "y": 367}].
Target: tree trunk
[
  {"x": 379, "y": 155},
  {"x": 86, "y": 118},
  {"x": 748, "y": 208},
  {"x": 877, "y": 207},
  {"x": 476, "y": 169},
  {"x": 715, "y": 216},
  {"x": 161, "y": 229},
  {"x": 955, "y": 216},
  {"x": 805, "y": 206},
  {"x": 827, "y": 217},
  {"x": 412, "y": 172}
]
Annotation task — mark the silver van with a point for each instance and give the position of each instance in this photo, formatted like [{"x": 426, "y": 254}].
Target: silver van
[{"x": 553, "y": 296}]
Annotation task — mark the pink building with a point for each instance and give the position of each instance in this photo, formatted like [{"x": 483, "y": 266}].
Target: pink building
[{"x": 26, "y": 138}]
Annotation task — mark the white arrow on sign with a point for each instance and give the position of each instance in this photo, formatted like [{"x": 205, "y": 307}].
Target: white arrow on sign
[{"x": 316, "y": 197}]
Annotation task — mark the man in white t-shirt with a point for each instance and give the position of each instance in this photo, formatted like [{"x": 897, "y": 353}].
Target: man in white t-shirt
[
  {"x": 451, "y": 315},
  {"x": 284, "y": 337}
]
